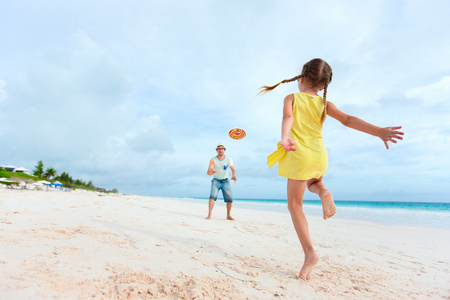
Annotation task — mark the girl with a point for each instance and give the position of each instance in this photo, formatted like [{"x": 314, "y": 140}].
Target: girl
[{"x": 301, "y": 154}]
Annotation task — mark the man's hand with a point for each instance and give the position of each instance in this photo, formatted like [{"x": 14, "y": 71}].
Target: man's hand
[
  {"x": 210, "y": 168},
  {"x": 211, "y": 171},
  {"x": 233, "y": 178}
]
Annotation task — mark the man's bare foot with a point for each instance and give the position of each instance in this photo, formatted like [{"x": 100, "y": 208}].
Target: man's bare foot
[
  {"x": 230, "y": 218},
  {"x": 310, "y": 261},
  {"x": 208, "y": 218},
  {"x": 328, "y": 206}
]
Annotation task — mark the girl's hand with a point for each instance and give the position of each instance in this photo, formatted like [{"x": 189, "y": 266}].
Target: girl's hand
[
  {"x": 288, "y": 144},
  {"x": 390, "y": 134}
]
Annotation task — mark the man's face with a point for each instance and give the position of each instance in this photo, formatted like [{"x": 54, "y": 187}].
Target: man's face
[{"x": 220, "y": 151}]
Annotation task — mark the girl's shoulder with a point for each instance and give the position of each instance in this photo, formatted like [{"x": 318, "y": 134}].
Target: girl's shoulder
[{"x": 305, "y": 95}]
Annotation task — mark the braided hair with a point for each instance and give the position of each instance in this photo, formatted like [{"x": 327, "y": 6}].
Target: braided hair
[{"x": 318, "y": 73}]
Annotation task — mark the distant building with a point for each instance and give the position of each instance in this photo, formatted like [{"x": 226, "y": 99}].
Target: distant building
[
  {"x": 8, "y": 167},
  {"x": 22, "y": 170},
  {"x": 12, "y": 168}
]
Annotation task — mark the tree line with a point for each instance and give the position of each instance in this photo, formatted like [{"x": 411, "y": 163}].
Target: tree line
[{"x": 66, "y": 179}]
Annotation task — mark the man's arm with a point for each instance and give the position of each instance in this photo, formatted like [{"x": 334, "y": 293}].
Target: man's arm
[
  {"x": 210, "y": 168},
  {"x": 234, "y": 173}
]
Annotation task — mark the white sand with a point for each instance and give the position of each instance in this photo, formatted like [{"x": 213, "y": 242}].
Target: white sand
[{"x": 68, "y": 245}]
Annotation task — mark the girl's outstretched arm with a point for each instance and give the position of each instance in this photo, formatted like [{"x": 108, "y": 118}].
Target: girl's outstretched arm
[
  {"x": 286, "y": 125},
  {"x": 387, "y": 134}
]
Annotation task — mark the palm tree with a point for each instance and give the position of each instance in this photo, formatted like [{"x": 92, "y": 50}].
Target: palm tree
[
  {"x": 50, "y": 172},
  {"x": 39, "y": 171}
]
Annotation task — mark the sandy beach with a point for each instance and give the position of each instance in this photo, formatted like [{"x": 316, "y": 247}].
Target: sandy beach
[{"x": 74, "y": 245}]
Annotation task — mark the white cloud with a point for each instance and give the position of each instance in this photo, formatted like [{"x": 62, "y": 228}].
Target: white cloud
[
  {"x": 71, "y": 111},
  {"x": 128, "y": 97},
  {"x": 432, "y": 94},
  {"x": 150, "y": 136}
]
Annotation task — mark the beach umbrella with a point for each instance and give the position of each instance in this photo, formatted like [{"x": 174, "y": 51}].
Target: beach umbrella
[
  {"x": 44, "y": 182},
  {"x": 6, "y": 180}
]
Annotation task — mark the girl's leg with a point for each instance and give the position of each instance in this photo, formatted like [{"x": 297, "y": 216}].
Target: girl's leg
[
  {"x": 295, "y": 191},
  {"x": 316, "y": 186}
]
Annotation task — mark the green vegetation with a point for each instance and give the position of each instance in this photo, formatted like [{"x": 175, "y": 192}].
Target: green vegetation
[
  {"x": 39, "y": 171},
  {"x": 8, "y": 174},
  {"x": 64, "y": 178},
  {"x": 4, "y": 173},
  {"x": 50, "y": 172},
  {"x": 22, "y": 176}
]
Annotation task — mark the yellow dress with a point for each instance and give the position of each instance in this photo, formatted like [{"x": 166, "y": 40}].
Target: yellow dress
[{"x": 310, "y": 160}]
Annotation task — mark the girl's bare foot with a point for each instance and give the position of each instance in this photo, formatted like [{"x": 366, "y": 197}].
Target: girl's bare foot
[
  {"x": 328, "y": 206},
  {"x": 310, "y": 261}
]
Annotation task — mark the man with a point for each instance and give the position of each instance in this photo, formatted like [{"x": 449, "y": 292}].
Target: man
[{"x": 219, "y": 166}]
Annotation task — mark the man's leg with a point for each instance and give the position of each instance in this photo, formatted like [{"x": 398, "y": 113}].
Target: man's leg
[
  {"x": 229, "y": 211},
  {"x": 228, "y": 197},
  {"x": 211, "y": 206},
  {"x": 212, "y": 197}
]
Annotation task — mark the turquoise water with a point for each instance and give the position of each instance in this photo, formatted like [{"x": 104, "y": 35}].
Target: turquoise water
[
  {"x": 423, "y": 214},
  {"x": 428, "y": 206}
]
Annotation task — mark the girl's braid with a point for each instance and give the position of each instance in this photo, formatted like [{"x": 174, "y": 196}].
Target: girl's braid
[
  {"x": 327, "y": 80},
  {"x": 324, "y": 112},
  {"x": 318, "y": 73},
  {"x": 265, "y": 89}
]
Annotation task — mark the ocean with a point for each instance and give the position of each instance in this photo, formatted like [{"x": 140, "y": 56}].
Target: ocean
[{"x": 423, "y": 214}]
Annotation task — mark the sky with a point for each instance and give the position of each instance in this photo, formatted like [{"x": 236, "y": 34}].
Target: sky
[{"x": 135, "y": 95}]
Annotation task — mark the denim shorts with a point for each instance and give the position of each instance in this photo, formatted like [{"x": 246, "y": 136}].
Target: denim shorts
[{"x": 225, "y": 186}]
